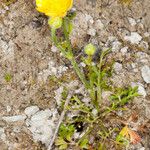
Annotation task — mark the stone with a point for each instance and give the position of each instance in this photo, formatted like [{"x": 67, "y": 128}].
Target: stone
[
  {"x": 54, "y": 49},
  {"x": 14, "y": 118},
  {"x": 116, "y": 45},
  {"x": 132, "y": 21},
  {"x": 124, "y": 50},
  {"x": 117, "y": 67},
  {"x": 99, "y": 25},
  {"x": 2, "y": 134},
  {"x": 29, "y": 111},
  {"x": 91, "y": 32},
  {"x": 42, "y": 125},
  {"x": 145, "y": 70},
  {"x": 134, "y": 38},
  {"x": 58, "y": 95}
]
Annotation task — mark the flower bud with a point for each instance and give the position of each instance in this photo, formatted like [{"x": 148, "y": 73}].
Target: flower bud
[
  {"x": 55, "y": 22},
  {"x": 90, "y": 49}
]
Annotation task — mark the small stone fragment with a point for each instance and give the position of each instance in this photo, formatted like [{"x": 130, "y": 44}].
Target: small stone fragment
[
  {"x": 14, "y": 118},
  {"x": 99, "y": 25},
  {"x": 117, "y": 67},
  {"x": 134, "y": 38},
  {"x": 91, "y": 32},
  {"x": 42, "y": 125},
  {"x": 146, "y": 73},
  {"x": 29, "y": 111},
  {"x": 124, "y": 50},
  {"x": 132, "y": 21}
]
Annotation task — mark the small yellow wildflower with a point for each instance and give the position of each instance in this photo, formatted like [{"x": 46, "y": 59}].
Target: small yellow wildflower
[{"x": 54, "y": 8}]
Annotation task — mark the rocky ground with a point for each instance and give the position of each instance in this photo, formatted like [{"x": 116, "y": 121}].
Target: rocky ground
[{"x": 28, "y": 97}]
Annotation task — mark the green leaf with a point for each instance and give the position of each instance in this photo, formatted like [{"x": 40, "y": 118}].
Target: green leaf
[
  {"x": 84, "y": 144},
  {"x": 8, "y": 77},
  {"x": 66, "y": 132},
  {"x": 63, "y": 146},
  {"x": 101, "y": 147},
  {"x": 122, "y": 96},
  {"x": 61, "y": 143},
  {"x": 122, "y": 140}
]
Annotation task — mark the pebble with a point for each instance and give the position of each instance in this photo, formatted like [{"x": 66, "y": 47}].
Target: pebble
[
  {"x": 58, "y": 95},
  {"x": 146, "y": 73},
  {"x": 124, "y": 50},
  {"x": 8, "y": 108},
  {"x": 134, "y": 38},
  {"x": 116, "y": 45},
  {"x": 132, "y": 21},
  {"x": 91, "y": 32},
  {"x": 42, "y": 125},
  {"x": 2, "y": 134},
  {"x": 29, "y": 111},
  {"x": 117, "y": 67},
  {"x": 99, "y": 25},
  {"x": 54, "y": 49},
  {"x": 14, "y": 118}
]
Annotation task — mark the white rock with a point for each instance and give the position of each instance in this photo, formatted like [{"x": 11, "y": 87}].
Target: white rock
[
  {"x": 132, "y": 21},
  {"x": 146, "y": 73},
  {"x": 94, "y": 112},
  {"x": 54, "y": 49},
  {"x": 76, "y": 135},
  {"x": 134, "y": 38},
  {"x": 58, "y": 95},
  {"x": 91, "y": 32},
  {"x": 42, "y": 125},
  {"x": 142, "y": 148},
  {"x": 8, "y": 108},
  {"x": 83, "y": 64},
  {"x": 89, "y": 18},
  {"x": 29, "y": 111},
  {"x": 41, "y": 115},
  {"x": 14, "y": 118},
  {"x": 2, "y": 134},
  {"x": 117, "y": 67},
  {"x": 99, "y": 25},
  {"x": 116, "y": 45},
  {"x": 141, "y": 89},
  {"x": 146, "y": 34},
  {"x": 124, "y": 50}
]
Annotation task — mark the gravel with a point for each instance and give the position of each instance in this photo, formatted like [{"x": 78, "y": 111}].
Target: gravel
[
  {"x": 134, "y": 38},
  {"x": 146, "y": 73}
]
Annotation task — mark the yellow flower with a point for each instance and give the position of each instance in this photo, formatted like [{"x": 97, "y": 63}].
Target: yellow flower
[{"x": 54, "y": 8}]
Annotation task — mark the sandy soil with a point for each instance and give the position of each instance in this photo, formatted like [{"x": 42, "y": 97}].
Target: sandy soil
[{"x": 28, "y": 58}]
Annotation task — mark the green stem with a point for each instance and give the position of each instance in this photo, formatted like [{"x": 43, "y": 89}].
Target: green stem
[
  {"x": 99, "y": 90},
  {"x": 55, "y": 40},
  {"x": 73, "y": 61},
  {"x": 65, "y": 53},
  {"x": 79, "y": 73}
]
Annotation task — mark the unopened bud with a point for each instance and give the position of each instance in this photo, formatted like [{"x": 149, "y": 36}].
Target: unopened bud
[
  {"x": 90, "y": 49},
  {"x": 55, "y": 22}
]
